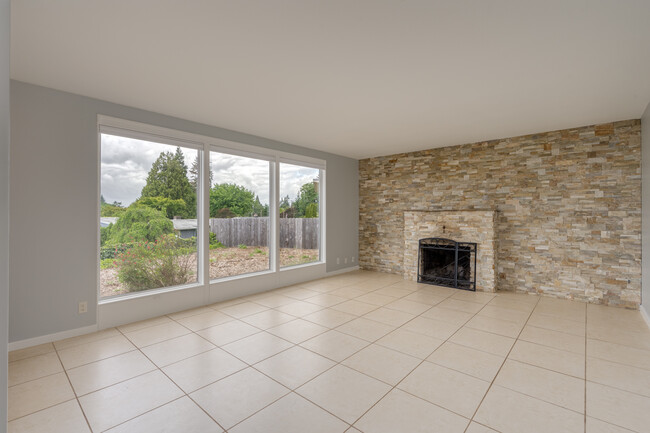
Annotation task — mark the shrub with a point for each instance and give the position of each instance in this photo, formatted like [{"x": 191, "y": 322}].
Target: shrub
[
  {"x": 214, "y": 242},
  {"x": 151, "y": 265},
  {"x": 138, "y": 224},
  {"x": 242, "y": 246}
]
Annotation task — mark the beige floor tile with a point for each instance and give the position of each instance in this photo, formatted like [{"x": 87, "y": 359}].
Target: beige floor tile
[
  {"x": 511, "y": 412},
  {"x": 426, "y": 297},
  {"x": 554, "y": 323},
  {"x": 33, "y": 368},
  {"x": 204, "y": 320},
  {"x": 244, "y": 309},
  {"x": 515, "y": 302},
  {"x": 204, "y": 369},
  {"x": 28, "y": 352},
  {"x": 274, "y": 300},
  {"x": 326, "y": 300},
  {"x": 547, "y": 385},
  {"x": 619, "y": 376},
  {"x": 86, "y": 338},
  {"x": 621, "y": 408},
  {"x": 410, "y": 343},
  {"x": 257, "y": 347},
  {"x": 39, "y": 394},
  {"x": 376, "y": 299},
  {"x": 177, "y": 349},
  {"x": 478, "y": 428},
  {"x": 268, "y": 319},
  {"x": 563, "y": 309},
  {"x": 485, "y": 341},
  {"x": 407, "y": 306},
  {"x": 470, "y": 361},
  {"x": 390, "y": 317},
  {"x": 228, "y": 332},
  {"x": 431, "y": 327},
  {"x": 365, "y": 329},
  {"x": 300, "y": 293},
  {"x": 638, "y": 338},
  {"x": 355, "y": 307},
  {"x": 495, "y": 326},
  {"x": 382, "y": 363},
  {"x": 111, "y": 406},
  {"x": 136, "y": 326},
  {"x": 549, "y": 358},
  {"x": 238, "y": 396},
  {"x": 330, "y": 318},
  {"x": 191, "y": 312},
  {"x": 297, "y": 330},
  {"x": 454, "y": 317},
  {"x": 156, "y": 334},
  {"x": 594, "y": 425},
  {"x": 556, "y": 339},
  {"x": 496, "y": 312},
  {"x": 395, "y": 292},
  {"x": 344, "y": 392},
  {"x": 458, "y": 305},
  {"x": 335, "y": 345},
  {"x": 478, "y": 297},
  {"x": 291, "y": 414},
  {"x": 62, "y": 418},
  {"x": 300, "y": 308},
  {"x": 402, "y": 412},
  {"x": 94, "y": 376},
  {"x": 94, "y": 351},
  {"x": 450, "y": 389},
  {"x": 348, "y": 292},
  {"x": 618, "y": 353},
  {"x": 182, "y": 415},
  {"x": 294, "y": 366}
]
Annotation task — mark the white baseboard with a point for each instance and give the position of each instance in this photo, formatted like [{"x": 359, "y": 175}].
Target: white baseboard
[
  {"x": 644, "y": 314},
  {"x": 343, "y": 271},
  {"x": 22, "y": 344}
]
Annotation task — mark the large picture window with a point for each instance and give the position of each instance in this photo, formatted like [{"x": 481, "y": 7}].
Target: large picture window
[
  {"x": 148, "y": 215},
  {"x": 180, "y": 210}
]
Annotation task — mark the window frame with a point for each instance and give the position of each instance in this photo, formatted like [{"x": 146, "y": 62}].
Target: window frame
[{"x": 205, "y": 145}]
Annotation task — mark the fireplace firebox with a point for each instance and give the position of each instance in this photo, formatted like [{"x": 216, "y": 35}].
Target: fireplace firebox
[{"x": 445, "y": 262}]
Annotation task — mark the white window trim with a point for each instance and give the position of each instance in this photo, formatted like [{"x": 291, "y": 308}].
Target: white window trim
[{"x": 205, "y": 144}]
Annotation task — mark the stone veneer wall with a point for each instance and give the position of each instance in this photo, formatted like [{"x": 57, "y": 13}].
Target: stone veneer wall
[
  {"x": 461, "y": 226},
  {"x": 568, "y": 207}
]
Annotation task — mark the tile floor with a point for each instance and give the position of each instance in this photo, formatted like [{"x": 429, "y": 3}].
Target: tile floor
[{"x": 360, "y": 352}]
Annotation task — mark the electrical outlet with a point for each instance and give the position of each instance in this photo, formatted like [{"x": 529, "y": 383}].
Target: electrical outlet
[
  {"x": 83, "y": 307},
  {"x": 352, "y": 259},
  {"x": 338, "y": 260},
  {"x": 345, "y": 260}
]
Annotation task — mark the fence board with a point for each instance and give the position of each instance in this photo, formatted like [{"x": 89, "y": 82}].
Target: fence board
[{"x": 300, "y": 233}]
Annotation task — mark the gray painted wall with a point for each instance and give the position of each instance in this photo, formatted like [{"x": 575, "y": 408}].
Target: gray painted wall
[
  {"x": 4, "y": 205},
  {"x": 645, "y": 218},
  {"x": 54, "y": 176}
]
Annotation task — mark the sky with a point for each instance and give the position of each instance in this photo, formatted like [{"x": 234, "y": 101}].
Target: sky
[{"x": 125, "y": 164}]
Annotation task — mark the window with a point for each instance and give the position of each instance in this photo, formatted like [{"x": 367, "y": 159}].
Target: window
[
  {"x": 299, "y": 213},
  {"x": 180, "y": 210},
  {"x": 240, "y": 225},
  {"x": 148, "y": 215}
]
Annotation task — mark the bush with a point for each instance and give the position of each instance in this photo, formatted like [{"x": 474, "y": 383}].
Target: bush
[
  {"x": 214, "y": 242},
  {"x": 151, "y": 265},
  {"x": 242, "y": 246},
  {"x": 139, "y": 224},
  {"x": 112, "y": 251}
]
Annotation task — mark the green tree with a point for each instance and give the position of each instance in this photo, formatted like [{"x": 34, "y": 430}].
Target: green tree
[
  {"x": 194, "y": 174},
  {"x": 307, "y": 195},
  {"x": 311, "y": 211},
  {"x": 236, "y": 198},
  {"x": 139, "y": 223},
  {"x": 260, "y": 209},
  {"x": 166, "y": 205},
  {"x": 168, "y": 178},
  {"x": 111, "y": 210}
]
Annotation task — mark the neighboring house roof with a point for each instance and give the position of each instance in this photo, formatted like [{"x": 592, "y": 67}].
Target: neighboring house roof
[
  {"x": 189, "y": 224},
  {"x": 106, "y": 221},
  {"x": 179, "y": 224}
]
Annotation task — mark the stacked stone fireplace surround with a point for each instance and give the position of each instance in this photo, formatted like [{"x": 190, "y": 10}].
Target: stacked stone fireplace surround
[{"x": 566, "y": 207}]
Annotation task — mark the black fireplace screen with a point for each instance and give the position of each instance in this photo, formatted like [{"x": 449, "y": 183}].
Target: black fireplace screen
[{"x": 444, "y": 262}]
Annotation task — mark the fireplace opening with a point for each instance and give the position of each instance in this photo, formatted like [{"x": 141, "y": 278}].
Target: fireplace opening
[{"x": 445, "y": 262}]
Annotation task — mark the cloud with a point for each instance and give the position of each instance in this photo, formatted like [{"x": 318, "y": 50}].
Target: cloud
[{"x": 125, "y": 164}]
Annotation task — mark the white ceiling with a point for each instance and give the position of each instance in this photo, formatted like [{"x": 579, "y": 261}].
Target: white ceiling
[{"x": 353, "y": 77}]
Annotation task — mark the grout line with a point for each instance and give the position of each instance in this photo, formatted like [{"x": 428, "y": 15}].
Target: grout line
[{"x": 585, "y": 394}]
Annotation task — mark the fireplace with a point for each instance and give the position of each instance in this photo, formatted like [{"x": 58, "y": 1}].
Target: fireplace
[{"x": 445, "y": 262}]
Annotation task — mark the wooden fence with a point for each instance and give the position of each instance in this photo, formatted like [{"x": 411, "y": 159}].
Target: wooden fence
[{"x": 300, "y": 233}]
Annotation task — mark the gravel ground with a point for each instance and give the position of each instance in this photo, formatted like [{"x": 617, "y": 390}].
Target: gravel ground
[{"x": 224, "y": 262}]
